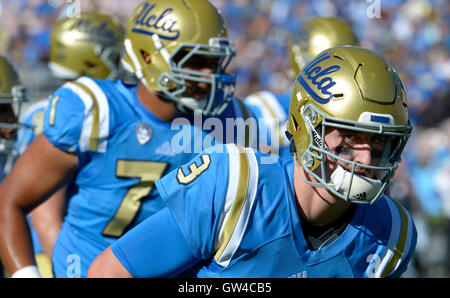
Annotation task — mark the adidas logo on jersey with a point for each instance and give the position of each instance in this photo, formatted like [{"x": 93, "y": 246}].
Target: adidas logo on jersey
[{"x": 165, "y": 150}]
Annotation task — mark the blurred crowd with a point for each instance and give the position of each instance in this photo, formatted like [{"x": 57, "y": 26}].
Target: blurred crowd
[{"x": 413, "y": 35}]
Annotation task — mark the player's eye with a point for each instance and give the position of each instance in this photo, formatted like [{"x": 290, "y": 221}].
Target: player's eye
[
  {"x": 377, "y": 140},
  {"x": 344, "y": 151},
  {"x": 350, "y": 139}
]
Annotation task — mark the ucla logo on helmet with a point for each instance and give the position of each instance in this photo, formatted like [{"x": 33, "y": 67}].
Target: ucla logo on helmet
[
  {"x": 316, "y": 80},
  {"x": 150, "y": 23},
  {"x": 100, "y": 32},
  {"x": 303, "y": 38}
]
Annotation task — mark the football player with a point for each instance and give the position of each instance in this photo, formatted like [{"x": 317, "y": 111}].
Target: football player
[
  {"x": 320, "y": 214},
  {"x": 12, "y": 96},
  {"x": 115, "y": 138},
  {"x": 75, "y": 51},
  {"x": 315, "y": 36}
]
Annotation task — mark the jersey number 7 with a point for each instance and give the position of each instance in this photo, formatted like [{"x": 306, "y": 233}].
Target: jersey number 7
[{"x": 149, "y": 172}]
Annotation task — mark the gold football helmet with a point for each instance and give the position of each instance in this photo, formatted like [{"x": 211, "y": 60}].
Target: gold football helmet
[
  {"x": 355, "y": 89},
  {"x": 90, "y": 44},
  {"x": 163, "y": 37},
  {"x": 317, "y": 35},
  {"x": 12, "y": 95}
]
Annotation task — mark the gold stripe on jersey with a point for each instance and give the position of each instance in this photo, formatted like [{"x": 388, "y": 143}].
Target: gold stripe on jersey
[
  {"x": 93, "y": 140},
  {"x": 53, "y": 110},
  {"x": 238, "y": 203},
  {"x": 398, "y": 252}
]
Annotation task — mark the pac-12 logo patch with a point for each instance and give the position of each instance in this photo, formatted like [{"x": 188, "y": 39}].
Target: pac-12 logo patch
[
  {"x": 318, "y": 82},
  {"x": 143, "y": 133}
]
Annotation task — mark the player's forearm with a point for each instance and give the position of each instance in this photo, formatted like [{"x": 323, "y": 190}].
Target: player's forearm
[{"x": 16, "y": 248}]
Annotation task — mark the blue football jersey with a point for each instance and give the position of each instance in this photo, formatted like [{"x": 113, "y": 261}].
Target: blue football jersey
[
  {"x": 33, "y": 117},
  {"x": 272, "y": 110},
  {"x": 236, "y": 217},
  {"x": 122, "y": 150}
]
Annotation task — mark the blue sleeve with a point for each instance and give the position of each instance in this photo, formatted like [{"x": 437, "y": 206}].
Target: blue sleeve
[
  {"x": 195, "y": 194},
  {"x": 284, "y": 100},
  {"x": 154, "y": 248},
  {"x": 63, "y": 120},
  {"x": 33, "y": 121}
]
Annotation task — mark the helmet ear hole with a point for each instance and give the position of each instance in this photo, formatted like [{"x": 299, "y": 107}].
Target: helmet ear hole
[
  {"x": 146, "y": 56},
  {"x": 89, "y": 64}
]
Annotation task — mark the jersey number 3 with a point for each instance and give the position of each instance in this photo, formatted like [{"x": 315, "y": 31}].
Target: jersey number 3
[
  {"x": 195, "y": 170},
  {"x": 149, "y": 172}
]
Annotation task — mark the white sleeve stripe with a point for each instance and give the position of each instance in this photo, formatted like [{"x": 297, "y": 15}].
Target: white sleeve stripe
[
  {"x": 267, "y": 116},
  {"x": 271, "y": 103},
  {"x": 394, "y": 235},
  {"x": 227, "y": 249},
  {"x": 400, "y": 246},
  {"x": 103, "y": 112},
  {"x": 231, "y": 189},
  {"x": 274, "y": 103},
  {"x": 397, "y": 249},
  {"x": 86, "y": 130},
  {"x": 273, "y": 114}
]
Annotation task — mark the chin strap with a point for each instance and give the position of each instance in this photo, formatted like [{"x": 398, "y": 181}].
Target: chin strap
[
  {"x": 359, "y": 188},
  {"x": 192, "y": 103}
]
